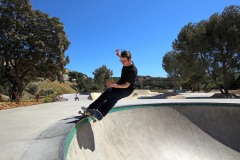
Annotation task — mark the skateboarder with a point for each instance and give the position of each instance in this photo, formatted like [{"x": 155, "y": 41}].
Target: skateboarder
[{"x": 116, "y": 91}]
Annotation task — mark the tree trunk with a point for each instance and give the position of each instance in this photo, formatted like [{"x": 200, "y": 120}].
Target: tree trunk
[
  {"x": 16, "y": 93},
  {"x": 204, "y": 87},
  {"x": 220, "y": 87}
]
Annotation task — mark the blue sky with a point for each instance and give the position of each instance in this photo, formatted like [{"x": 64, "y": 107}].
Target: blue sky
[{"x": 147, "y": 28}]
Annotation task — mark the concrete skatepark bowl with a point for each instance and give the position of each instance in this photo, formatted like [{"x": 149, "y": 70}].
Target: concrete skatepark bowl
[{"x": 187, "y": 131}]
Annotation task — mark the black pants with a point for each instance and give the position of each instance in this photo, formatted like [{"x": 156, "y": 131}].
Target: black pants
[{"x": 109, "y": 98}]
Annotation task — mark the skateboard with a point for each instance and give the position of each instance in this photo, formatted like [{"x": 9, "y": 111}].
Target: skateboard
[{"x": 94, "y": 114}]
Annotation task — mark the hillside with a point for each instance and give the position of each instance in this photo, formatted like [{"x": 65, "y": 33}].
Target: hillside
[
  {"x": 57, "y": 87},
  {"x": 28, "y": 99}
]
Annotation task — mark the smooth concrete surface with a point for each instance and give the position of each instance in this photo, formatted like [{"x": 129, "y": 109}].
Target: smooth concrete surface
[
  {"x": 20, "y": 128},
  {"x": 156, "y": 133},
  {"x": 38, "y": 131}
]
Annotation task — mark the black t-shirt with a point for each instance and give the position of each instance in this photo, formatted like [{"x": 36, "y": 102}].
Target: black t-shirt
[{"x": 129, "y": 74}]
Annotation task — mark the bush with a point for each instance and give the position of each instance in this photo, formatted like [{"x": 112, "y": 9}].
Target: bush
[
  {"x": 32, "y": 88},
  {"x": 47, "y": 99},
  {"x": 4, "y": 90},
  {"x": 46, "y": 92}
]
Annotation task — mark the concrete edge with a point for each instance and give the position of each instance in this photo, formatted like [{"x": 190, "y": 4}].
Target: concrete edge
[{"x": 72, "y": 133}]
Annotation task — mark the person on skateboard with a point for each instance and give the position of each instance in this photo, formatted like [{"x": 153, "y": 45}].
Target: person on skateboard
[{"x": 116, "y": 91}]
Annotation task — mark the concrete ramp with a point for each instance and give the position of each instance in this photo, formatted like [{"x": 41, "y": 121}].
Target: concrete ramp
[
  {"x": 144, "y": 92},
  {"x": 94, "y": 95},
  {"x": 144, "y": 133},
  {"x": 136, "y": 94}
]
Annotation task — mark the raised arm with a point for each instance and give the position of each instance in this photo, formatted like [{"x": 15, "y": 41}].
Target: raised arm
[{"x": 118, "y": 52}]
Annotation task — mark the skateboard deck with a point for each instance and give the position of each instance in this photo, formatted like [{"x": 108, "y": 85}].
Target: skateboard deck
[{"x": 94, "y": 114}]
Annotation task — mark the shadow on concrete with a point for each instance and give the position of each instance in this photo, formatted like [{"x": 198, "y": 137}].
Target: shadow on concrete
[
  {"x": 160, "y": 96},
  {"x": 230, "y": 95},
  {"x": 54, "y": 138},
  {"x": 222, "y": 123},
  {"x": 74, "y": 119},
  {"x": 85, "y": 137}
]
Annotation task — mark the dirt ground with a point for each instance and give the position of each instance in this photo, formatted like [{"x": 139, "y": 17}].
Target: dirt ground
[{"x": 10, "y": 105}]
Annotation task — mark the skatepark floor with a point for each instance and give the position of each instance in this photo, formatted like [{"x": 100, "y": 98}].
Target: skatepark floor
[{"x": 152, "y": 132}]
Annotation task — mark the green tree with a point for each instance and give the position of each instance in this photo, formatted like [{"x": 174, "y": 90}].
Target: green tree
[
  {"x": 82, "y": 81},
  {"x": 31, "y": 45},
  {"x": 101, "y": 76},
  {"x": 213, "y": 47},
  {"x": 183, "y": 69},
  {"x": 74, "y": 75},
  {"x": 171, "y": 66}
]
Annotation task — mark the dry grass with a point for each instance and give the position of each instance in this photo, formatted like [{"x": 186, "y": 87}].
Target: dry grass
[
  {"x": 59, "y": 88},
  {"x": 10, "y": 105}
]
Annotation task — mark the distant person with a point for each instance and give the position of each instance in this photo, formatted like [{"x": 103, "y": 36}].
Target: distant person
[
  {"x": 76, "y": 98},
  {"x": 116, "y": 91}
]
